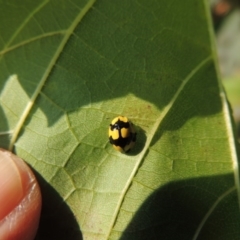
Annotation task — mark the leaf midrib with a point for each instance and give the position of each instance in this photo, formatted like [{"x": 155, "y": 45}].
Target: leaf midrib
[{"x": 42, "y": 81}]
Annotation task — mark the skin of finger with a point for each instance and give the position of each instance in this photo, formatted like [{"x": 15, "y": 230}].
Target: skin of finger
[{"x": 22, "y": 222}]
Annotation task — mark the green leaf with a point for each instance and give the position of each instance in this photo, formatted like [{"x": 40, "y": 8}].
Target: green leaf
[{"x": 68, "y": 67}]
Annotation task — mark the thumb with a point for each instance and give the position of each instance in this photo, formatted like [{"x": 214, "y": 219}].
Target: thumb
[{"x": 20, "y": 199}]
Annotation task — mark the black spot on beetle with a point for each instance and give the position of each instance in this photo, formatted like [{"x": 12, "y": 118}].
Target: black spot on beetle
[{"x": 119, "y": 125}]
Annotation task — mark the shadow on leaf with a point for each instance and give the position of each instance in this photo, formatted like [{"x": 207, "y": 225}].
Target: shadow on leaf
[
  {"x": 57, "y": 220},
  {"x": 176, "y": 210},
  {"x": 140, "y": 143}
]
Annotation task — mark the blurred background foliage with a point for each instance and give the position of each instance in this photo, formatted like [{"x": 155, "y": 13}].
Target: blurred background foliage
[{"x": 226, "y": 20}]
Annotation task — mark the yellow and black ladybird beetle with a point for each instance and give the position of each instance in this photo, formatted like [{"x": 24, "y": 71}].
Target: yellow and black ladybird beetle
[{"x": 122, "y": 134}]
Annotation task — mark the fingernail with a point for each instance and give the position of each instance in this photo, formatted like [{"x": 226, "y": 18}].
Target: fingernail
[{"x": 11, "y": 190}]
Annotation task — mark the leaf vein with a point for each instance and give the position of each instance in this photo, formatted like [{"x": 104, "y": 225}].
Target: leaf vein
[
  {"x": 212, "y": 208},
  {"x": 48, "y": 70},
  {"x": 40, "y": 6},
  {"x": 50, "y": 34},
  {"x": 155, "y": 127}
]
